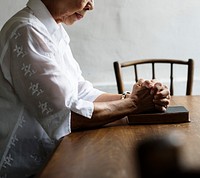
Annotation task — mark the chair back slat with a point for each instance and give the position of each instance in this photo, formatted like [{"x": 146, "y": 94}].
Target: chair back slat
[
  {"x": 153, "y": 70},
  {"x": 136, "y": 74},
  {"x": 171, "y": 79},
  {"x": 190, "y": 71}
]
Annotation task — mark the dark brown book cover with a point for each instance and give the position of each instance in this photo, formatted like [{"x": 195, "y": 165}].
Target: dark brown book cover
[{"x": 173, "y": 114}]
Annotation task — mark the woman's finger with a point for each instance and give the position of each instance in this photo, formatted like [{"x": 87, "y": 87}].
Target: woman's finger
[
  {"x": 160, "y": 108},
  {"x": 165, "y": 93},
  {"x": 162, "y": 102},
  {"x": 140, "y": 81},
  {"x": 148, "y": 84}
]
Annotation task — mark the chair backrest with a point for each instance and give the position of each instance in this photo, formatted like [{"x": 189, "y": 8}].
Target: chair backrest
[{"x": 189, "y": 63}]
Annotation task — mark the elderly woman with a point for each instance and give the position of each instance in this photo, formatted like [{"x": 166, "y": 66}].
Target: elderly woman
[{"x": 43, "y": 95}]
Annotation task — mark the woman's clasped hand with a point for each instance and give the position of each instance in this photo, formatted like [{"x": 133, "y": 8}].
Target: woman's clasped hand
[{"x": 150, "y": 95}]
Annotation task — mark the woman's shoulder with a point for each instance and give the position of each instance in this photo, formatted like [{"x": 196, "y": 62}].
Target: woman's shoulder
[{"x": 24, "y": 19}]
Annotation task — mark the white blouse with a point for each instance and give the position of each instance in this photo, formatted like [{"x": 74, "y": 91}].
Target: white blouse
[{"x": 40, "y": 84}]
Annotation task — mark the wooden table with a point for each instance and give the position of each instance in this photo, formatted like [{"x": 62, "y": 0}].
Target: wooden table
[{"x": 109, "y": 152}]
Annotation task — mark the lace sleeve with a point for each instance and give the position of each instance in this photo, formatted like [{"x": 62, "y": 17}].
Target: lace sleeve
[
  {"x": 35, "y": 73},
  {"x": 36, "y": 77}
]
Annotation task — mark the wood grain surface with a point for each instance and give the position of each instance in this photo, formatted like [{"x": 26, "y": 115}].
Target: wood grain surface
[{"x": 109, "y": 152}]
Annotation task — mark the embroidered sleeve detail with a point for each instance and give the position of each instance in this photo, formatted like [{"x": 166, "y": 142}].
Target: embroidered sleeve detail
[
  {"x": 22, "y": 122},
  {"x": 14, "y": 140},
  {"x": 35, "y": 89},
  {"x": 27, "y": 70},
  {"x": 16, "y": 35},
  {"x": 36, "y": 72},
  {"x": 8, "y": 161},
  {"x": 44, "y": 108},
  {"x": 19, "y": 51}
]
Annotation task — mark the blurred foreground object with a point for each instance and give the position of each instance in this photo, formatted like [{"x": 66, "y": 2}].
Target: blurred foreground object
[{"x": 159, "y": 157}]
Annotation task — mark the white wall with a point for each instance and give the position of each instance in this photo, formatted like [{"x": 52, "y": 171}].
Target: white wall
[{"x": 129, "y": 29}]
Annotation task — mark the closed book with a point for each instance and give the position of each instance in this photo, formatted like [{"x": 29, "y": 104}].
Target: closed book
[{"x": 173, "y": 114}]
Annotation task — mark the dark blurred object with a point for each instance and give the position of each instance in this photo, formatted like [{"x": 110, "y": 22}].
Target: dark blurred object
[{"x": 158, "y": 157}]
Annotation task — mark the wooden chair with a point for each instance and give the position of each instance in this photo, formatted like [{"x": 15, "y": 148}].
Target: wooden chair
[{"x": 189, "y": 63}]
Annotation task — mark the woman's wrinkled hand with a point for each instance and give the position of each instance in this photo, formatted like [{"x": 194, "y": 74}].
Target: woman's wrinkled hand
[
  {"x": 161, "y": 96},
  {"x": 141, "y": 96},
  {"x": 150, "y": 95}
]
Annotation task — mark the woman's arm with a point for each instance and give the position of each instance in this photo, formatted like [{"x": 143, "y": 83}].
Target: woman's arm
[
  {"x": 104, "y": 112},
  {"x": 110, "y": 107},
  {"x": 108, "y": 97}
]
